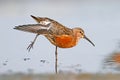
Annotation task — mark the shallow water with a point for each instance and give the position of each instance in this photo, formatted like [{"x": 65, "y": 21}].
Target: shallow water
[{"x": 100, "y": 20}]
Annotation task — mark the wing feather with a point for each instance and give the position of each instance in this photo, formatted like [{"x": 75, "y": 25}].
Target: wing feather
[{"x": 34, "y": 28}]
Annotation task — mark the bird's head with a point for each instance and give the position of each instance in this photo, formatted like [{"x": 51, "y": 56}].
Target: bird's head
[{"x": 80, "y": 34}]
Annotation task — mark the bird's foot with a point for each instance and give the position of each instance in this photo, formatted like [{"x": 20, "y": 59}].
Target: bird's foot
[{"x": 30, "y": 46}]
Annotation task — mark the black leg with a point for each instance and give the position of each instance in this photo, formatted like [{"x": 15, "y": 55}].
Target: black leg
[
  {"x": 56, "y": 59},
  {"x": 32, "y": 43}
]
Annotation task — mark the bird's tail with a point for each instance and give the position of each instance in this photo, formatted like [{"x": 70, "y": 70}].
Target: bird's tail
[
  {"x": 34, "y": 28},
  {"x": 36, "y": 18}
]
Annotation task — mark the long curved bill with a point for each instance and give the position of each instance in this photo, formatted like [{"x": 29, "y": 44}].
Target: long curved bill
[{"x": 89, "y": 40}]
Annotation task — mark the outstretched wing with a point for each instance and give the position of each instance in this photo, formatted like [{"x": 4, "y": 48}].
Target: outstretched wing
[
  {"x": 34, "y": 28},
  {"x": 56, "y": 27}
]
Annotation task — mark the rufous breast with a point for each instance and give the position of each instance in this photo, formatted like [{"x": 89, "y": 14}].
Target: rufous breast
[{"x": 65, "y": 41}]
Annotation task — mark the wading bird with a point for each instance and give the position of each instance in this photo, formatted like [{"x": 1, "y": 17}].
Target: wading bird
[{"x": 58, "y": 34}]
